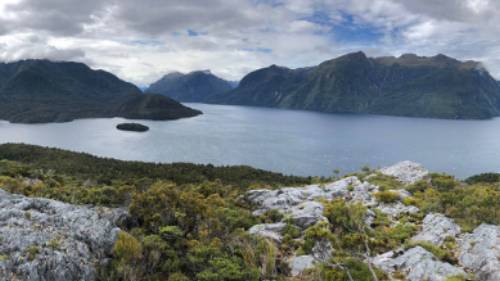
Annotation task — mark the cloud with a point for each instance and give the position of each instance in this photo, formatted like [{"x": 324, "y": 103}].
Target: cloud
[{"x": 141, "y": 40}]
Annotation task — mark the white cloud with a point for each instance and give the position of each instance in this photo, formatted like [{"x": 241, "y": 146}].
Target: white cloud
[{"x": 141, "y": 40}]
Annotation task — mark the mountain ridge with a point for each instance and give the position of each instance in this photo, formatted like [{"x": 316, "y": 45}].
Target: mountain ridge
[
  {"x": 40, "y": 91},
  {"x": 409, "y": 85}
]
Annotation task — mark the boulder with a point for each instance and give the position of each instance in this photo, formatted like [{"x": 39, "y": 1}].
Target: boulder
[
  {"x": 268, "y": 230},
  {"x": 307, "y": 213},
  {"x": 417, "y": 264},
  {"x": 44, "y": 239},
  {"x": 299, "y": 264},
  {"x": 436, "y": 228},
  {"x": 406, "y": 172},
  {"x": 396, "y": 209},
  {"x": 480, "y": 252}
]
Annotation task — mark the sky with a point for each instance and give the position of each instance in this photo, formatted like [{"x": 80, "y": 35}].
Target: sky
[{"x": 141, "y": 40}]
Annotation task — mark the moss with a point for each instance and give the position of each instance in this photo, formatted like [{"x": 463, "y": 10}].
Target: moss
[
  {"x": 271, "y": 216},
  {"x": 456, "y": 278},
  {"x": 32, "y": 251},
  {"x": 54, "y": 244},
  {"x": 3, "y": 258},
  {"x": 407, "y": 201}
]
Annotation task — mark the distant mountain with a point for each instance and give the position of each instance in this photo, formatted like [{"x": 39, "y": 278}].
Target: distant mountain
[
  {"x": 197, "y": 86},
  {"x": 39, "y": 91},
  {"x": 409, "y": 85}
]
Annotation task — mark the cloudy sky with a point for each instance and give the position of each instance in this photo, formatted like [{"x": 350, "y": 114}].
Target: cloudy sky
[{"x": 140, "y": 40}]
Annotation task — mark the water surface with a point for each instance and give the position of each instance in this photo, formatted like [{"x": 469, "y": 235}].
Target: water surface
[{"x": 292, "y": 142}]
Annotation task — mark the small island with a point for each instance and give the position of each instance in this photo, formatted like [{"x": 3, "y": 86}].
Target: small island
[{"x": 133, "y": 127}]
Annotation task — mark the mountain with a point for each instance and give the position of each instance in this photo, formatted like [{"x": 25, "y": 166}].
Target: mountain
[
  {"x": 39, "y": 91},
  {"x": 197, "y": 86},
  {"x": 409, "y": 85}
]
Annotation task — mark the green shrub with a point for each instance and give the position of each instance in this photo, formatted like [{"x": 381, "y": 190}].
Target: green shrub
[
  {"x": 484, "y": 178},
  {"x": 387, "y": 196},
  {"x": 384, "y": 182},
  {"x": 443, "y": 182}
]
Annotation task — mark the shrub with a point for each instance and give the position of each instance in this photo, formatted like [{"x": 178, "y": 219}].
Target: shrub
[
  {"x": 387, "y": 196},
  {"x": 443, "y": 182},
  {"x": 127, "y": 248},
  {"x": 384, "y": 182},
  {"x": 484, "y": 178}
]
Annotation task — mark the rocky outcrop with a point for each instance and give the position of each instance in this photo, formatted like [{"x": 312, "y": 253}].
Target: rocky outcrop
[
  {"x": 396, "y": 209},
  {"x": 480, "y": 252},
  {"x": 406, "y": 172},
  {"x": 417, "y": 264},
  {"x": 301, "y": 203},
  {"x": 268, "y": 230},
  {"x": 436, "y": 228},
  {"x": 44, "y": 239}
]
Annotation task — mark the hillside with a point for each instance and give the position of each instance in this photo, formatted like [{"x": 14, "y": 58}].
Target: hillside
[
  {"x": 437, "y": 87},
  {"x": 117, "y": 220},
  {"x": 40, "y": 91},
  {"x": 197, "y": 86}
]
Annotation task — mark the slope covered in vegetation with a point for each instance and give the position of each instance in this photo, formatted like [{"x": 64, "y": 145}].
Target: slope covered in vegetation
[{"x": 195, "y": 222}]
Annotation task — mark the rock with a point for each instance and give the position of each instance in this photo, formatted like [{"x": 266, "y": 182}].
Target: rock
[
  {"x": 285, "y": 198},
  {"x": 363, "y": 193},
  {"x": 307, "y": 214},
  {"x": 406, "y": 172},
  {"x": 44, "y": 239},
  {"x": 436, "y": 228},
  {"x": 322, "y": 250},
  {"x": 418, "y": 264},
  {"x": 480, "y": 252},
  {"x": 268, "y": 230},
  {"x": 396, "y": 209},
  {"x": 300, "y": 202},
  {"x": 300, "y": 263}
]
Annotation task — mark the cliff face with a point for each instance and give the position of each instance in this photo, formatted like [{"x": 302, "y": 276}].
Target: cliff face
[
  {"x": 409, "y": 85},
  {"x": 44, "y": 239}
]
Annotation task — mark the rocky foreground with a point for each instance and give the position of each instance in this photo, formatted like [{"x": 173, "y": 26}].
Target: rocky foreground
[
  {"x": 478, "y": 252},
  {"x": 42, "y": 239}
]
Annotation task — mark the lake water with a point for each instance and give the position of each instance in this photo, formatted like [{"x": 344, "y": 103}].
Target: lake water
[{"x": 292, "y": 142}]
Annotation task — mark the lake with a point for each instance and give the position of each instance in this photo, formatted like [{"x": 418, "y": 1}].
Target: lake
[{"x": 291, "y": 142}]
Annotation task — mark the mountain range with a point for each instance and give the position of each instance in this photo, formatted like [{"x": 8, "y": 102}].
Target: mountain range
[
  {"x": 40, "y": 91},
  {"x": 409, "y": 85},
  {"x": 196, "y": 86}
]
